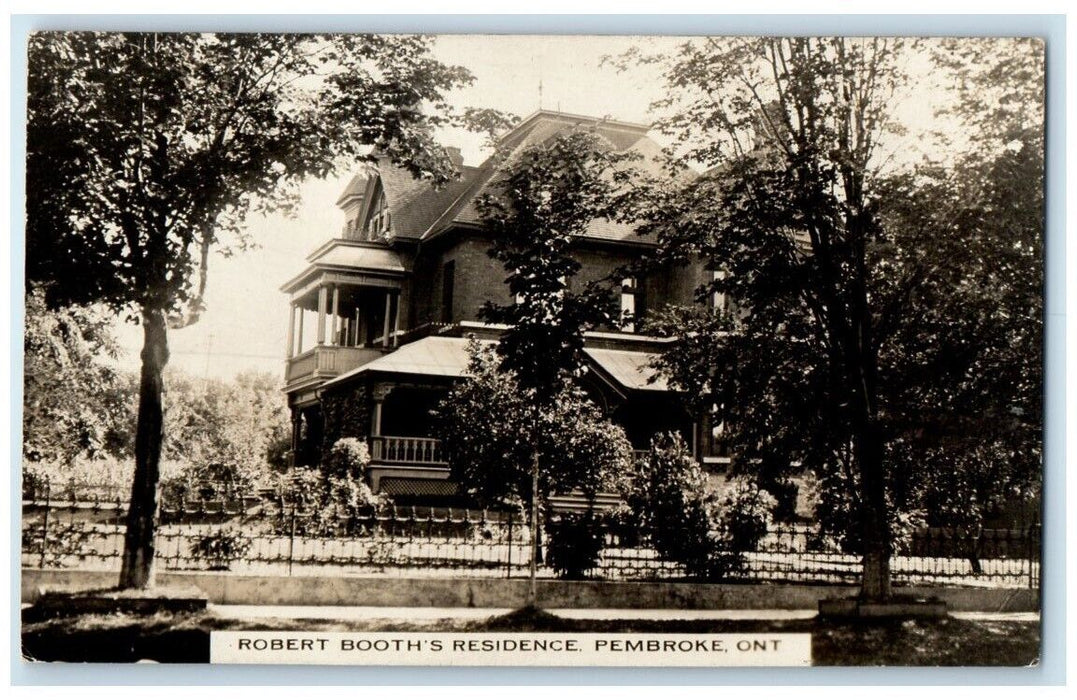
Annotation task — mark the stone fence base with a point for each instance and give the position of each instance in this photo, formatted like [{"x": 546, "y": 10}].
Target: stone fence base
[{"x": 230, "y": 589}]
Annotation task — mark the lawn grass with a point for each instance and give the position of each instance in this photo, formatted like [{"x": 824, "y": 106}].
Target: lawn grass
[{"x": 184, "y": 638}]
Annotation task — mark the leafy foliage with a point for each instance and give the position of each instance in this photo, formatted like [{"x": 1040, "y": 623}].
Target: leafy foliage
[
  {"x": 489, "y": 425},
  {"x": 332, "y": 497},
  {"x": 890, "y": 332},
  {"x": 686, "y": 521},
  {"x": 547, "y": 195},
  {"x": 576, "y": 541},
  {"x": 75, "y": 401},
  {"x": 211, "y": 421},
  {"x": 221, "y": 547},
  {"x": 348, "y": 458},
  {"x": 61, "y": 541}
]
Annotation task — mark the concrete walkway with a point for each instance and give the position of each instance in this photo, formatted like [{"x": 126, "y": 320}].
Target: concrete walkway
[{"x": 315, "y": 612}]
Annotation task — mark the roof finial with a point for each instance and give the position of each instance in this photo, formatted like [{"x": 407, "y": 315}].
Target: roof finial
[{"x": 540, "y": 94}]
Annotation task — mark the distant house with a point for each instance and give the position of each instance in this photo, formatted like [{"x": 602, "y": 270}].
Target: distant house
[{"x": 381, "y": 314}]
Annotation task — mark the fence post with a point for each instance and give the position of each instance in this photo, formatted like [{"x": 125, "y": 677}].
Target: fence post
[
  {"x": 291, "y": 540},
  {"x": 45, "y": 523},
  {"x": 1031, "y": 559},
  {"x": 508, "y": 566}
]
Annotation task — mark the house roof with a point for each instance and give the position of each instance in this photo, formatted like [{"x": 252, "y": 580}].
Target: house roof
[
  {"x": 430, "y": 356},
  {"x": 538, "y": 128},
  {"x": 350, "y": 255},
  {"x": 416, "y": 204},
  {"x": 448, "y": 357},
  {"x": 630, "y": 369}
]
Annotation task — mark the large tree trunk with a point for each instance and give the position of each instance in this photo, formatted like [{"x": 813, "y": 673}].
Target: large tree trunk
[
  {"x": 532, "y": 585},
  {"x": 875, "y": 574},
  {"x": 138, "y": 544}
]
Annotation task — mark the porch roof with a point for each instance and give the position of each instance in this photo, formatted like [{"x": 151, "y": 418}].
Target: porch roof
[
  {"x": 630, "y": 369},
  {"x": 349, "y": 256},
  {"x": 448, "y": 357},
  {"x": 430, "y": 356}
]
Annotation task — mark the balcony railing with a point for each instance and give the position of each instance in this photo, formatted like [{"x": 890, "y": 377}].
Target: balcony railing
[
  {"x": 406, "y": 450},
  {"x": 327, "y": 361}
]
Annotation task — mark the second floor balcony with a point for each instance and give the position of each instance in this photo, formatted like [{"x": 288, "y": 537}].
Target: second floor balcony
[{"x": 324, "y": 362}]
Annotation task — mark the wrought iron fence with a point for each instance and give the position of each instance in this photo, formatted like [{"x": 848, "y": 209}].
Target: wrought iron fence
[{"x": 218, "y": 527}]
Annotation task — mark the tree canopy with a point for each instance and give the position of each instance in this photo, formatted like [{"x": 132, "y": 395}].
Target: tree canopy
[
  {"x": 546, "y": 197},
  {"x": 146, "y": 151},
  {"x": 874, "y": 306},
  {"x": 75, "y": 400}
]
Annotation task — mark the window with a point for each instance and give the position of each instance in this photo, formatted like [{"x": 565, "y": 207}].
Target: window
[
  {"x": 448, "y": 274},
  {"x": 628, "y": 304},
  {"x": 720, "y": 300},
  {"x": 380, "y": 221}
]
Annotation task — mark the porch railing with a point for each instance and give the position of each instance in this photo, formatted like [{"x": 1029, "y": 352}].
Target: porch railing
[
  {"x": 407, "y": 450},
  {"x": 329, "y": 361}
]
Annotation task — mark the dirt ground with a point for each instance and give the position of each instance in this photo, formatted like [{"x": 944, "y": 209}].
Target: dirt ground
[{"x": 184, "y": 638}]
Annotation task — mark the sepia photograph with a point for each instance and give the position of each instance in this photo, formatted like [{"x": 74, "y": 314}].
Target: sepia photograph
[{"x": 533, "y": 350}]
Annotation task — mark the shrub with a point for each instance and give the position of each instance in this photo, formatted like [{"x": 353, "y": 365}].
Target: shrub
[
  {"x": 63, "y": 540},
  {"x": 684, "y": 519},
  {"x": 575, "y": 544},
  {"x": 348, "y": 458},
  {"x": 214, "y": 481},
  {"x": 329, "y": 505},
  {"x": 221, "y": 547},
  {"x": 742, "y": 520}
]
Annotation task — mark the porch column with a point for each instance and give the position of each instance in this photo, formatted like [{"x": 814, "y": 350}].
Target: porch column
[
  {"x": 297, "y": 429},
  {"x": 323, "y": 301},
  {"x": 360, "y": 339},
  {"x": 335, "y": 339},
  {"x": 396, "y": 320},
  {"x": 385, "y": 326},
  {"x": 291, "y": 332},
  {"x": 299, "y": 339},
  {"x": 380, "y": 392}
]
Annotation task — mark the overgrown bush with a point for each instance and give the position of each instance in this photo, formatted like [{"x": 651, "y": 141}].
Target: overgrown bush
[
  {"x": 348, "y": 457},
  {"x": 221, "y": 547},
  {"x": 333, "y": 500},
  {"x": 575, "y": 544},
  {"x": 686, "y": 521},
  {"x": 215, "y": 481},
  {"x": 60, "y": 542}
]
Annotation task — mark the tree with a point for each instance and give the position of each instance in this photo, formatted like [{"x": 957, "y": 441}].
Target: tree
[
  {"x": 236, "y": 423},
  {"x": 968, "y": 239},
  {"x": 491, "y": 430},
  {"x": 146, "y": 151},
  {"x": 546, "y": 195},
  {"x": 840, "y": 271},
  {"x": 74, "y": 402}
]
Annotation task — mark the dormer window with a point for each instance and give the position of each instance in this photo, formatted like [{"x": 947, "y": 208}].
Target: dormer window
[{"x": 380, "y": 221}]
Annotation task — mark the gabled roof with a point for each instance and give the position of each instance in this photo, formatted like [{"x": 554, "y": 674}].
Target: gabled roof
[
  {"x": 416, "y": 204},
  {"x": 537, "y": 128},
  {"x": 419, "y": 210},
  {"x": 356, "y": 187}
]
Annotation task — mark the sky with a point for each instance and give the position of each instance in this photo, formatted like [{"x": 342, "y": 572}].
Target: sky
[
  {"x": 245, "y": 324},
  {"x": 246, "y": 320}
]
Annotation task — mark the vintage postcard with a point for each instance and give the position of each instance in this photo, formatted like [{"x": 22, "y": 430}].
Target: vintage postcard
[{"x": 533, "y": 350}]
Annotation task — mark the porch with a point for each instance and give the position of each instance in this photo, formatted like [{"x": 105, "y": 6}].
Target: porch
[{"x": 346, "y": 310}]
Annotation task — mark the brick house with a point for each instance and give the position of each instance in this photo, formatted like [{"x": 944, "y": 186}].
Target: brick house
[{"x": 381, "y": 315}]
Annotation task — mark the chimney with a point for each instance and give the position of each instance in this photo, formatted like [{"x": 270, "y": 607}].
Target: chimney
[{"x": 455, "y": 156}]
